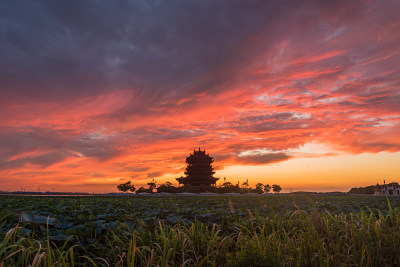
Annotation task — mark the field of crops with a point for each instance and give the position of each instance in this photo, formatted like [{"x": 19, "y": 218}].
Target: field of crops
[{"x": 271, "y": 230}]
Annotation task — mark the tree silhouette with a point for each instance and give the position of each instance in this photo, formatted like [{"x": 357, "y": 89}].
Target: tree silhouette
[
  {"x": 126, "y": 186},
  {"x": 259, "y": 188},
  {"x": 276, "y": 188},
  {"x": 167, "y": 188},
  {"x": 152, "y": 185},
  {"x": 246, "y": 184},
  {"x": 267, "y": 188},
  {"x": 226, "y": 184},
  {"x": 141, "y": 190},
  {"x": 132, "y": 188}
]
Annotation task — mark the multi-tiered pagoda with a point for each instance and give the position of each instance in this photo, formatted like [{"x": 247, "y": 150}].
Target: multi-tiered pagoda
[{"x": 199, "y": 171}]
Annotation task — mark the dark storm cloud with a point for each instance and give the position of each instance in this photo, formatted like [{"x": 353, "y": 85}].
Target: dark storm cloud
[
  {"x": 98, "y": 146},
  {"x": 159, "y": 49},
  {"x": 14, "y": 141},
  {"x": 71, "y": 48},
  {"x": 62, "y": 143},
  {"x": 148, "y": 134},
  {"x": 136, "y": 169},
  {"x": 43, "y": 160},
  {"x": 153, "y": 174},
  {"x": 274, "y": 122},
  {"x": 265, "y": 158}
]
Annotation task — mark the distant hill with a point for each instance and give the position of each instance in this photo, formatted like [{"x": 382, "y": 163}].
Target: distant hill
[{"x": 363, "y": 190}]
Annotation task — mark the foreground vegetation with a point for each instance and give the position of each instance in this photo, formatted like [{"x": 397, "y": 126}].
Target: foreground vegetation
[{"x": 200, "y": 231}]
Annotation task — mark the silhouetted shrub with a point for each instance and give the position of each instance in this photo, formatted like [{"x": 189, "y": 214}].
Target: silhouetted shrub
[
  {"x": 363, "y": 190},
  {"x": 141, "y": 190},
  {"x": 167, "y": 188}
]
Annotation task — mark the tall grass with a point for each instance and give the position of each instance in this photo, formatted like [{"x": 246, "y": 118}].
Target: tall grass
[{"x": 298, "y": 238}]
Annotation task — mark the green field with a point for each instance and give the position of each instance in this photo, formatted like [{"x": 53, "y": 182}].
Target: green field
[{"x": 271, "y": 230}]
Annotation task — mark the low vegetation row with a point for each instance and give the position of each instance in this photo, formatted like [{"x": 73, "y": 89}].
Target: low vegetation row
[
  {"x": 225, "y": 187},
  {"x": 250, "y": 231}
]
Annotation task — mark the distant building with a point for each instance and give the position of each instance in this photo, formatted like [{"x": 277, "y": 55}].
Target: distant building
[
  {"x": 199, "y": 171},
  {"x": 391, "y": 189}
]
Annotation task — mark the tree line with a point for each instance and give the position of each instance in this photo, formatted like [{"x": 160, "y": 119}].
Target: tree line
[{"x": 225, "y": 187}]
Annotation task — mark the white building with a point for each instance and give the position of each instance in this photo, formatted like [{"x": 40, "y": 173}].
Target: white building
[{"x": 392, "y": 189}]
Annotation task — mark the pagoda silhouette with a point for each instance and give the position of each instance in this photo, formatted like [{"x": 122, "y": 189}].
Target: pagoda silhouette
[{"x": 199, "y": 171}]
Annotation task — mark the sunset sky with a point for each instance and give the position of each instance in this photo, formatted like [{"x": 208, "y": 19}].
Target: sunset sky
[{"x": 305, "y": 94}]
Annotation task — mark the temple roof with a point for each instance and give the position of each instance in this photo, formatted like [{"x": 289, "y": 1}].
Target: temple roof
[{"x": 199, "y": 170}]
